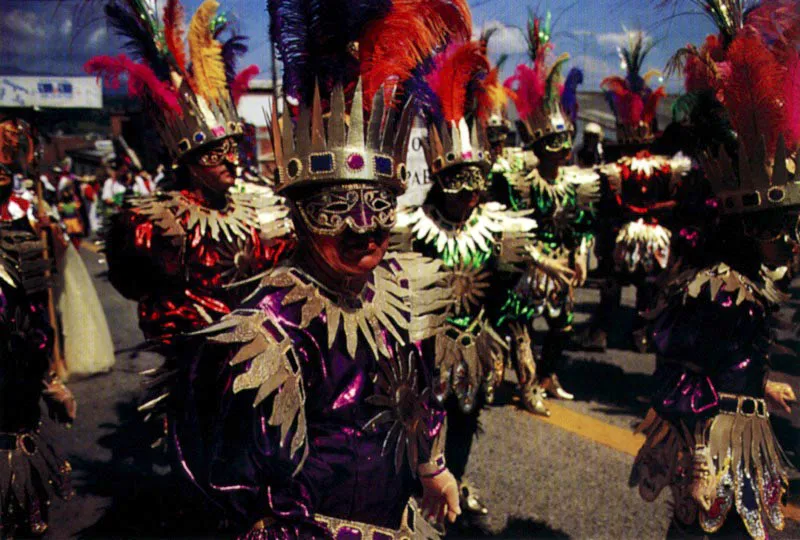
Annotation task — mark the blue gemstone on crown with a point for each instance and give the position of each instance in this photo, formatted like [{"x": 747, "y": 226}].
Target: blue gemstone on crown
[
  {"x": 321, "y": 163},
  {"x": 383, "y": 166}
]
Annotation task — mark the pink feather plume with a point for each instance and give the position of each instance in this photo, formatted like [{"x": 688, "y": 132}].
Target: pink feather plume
[
  {"x": 142, "y": 82},
  {"x": 241, "y": 84}
]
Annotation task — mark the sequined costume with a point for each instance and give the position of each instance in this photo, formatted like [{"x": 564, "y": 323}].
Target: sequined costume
[
  {"x": 31, "y": 473},
  {"x": 708, "y": 435},
  {"x": 477, "y": 256},
  {"x": 312, "y": 413},
  {"x": 709, "y": 402},
  {"x": 561, "y": 200},
  {"x": 176, "y": 256},
  {"x": 634, "y": 233},
  {"x": 341, "y": 395}
]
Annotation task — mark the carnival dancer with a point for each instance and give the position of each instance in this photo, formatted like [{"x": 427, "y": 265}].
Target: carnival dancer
[
  {"x": 709, "y": 437},
  {"x": 176, "y": 252},
  {"x": 634, "y": 236},
  {"x": 480, "y": 245},
  {"x": 327, "y": 421},
  {"x": 31, "y": 473},
  {"x": 561, "y": 199}
]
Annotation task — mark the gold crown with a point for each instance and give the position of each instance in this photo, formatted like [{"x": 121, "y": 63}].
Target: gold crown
[
  {"x": 757, "y": 187},
  {"x": 545, "y": 121},
  {"x": 497, "y": 128},
  {"x": 200, "y": 123},
  {"x": 641, "y": 133},
  {"x": 456, "y": 144},
  {"x": 344, "y": 152}
]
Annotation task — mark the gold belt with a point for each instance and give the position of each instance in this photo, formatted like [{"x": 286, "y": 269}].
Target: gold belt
[{"x": 413, "y": 527}]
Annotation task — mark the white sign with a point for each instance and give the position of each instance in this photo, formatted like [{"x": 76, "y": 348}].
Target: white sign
[
  {"x": 51, "y": 92},
  {"x": 419, "y": 181}
]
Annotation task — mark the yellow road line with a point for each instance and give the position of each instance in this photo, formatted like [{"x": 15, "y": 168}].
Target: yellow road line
[
  {"x": 615, "y": 437},
  {"x": 91, "y": 246},
  {"x": 620, "y": 439}
]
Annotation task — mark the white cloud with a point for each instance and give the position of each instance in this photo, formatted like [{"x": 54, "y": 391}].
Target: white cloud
[
  {"x": 66, "y": 27},
  {"x": 22, "y": 25},
  {"x": 594, "y": 67},
  {"x": 97, "y": 37},
  {"x": 505, "y": 40},
  {"x": 615, "y": 40}
]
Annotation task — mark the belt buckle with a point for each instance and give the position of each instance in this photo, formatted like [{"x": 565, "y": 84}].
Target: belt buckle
[{"x": 741, "y": 400}]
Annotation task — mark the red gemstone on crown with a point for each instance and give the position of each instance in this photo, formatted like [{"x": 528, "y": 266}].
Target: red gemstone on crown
[{"x": 355, "y": 162}]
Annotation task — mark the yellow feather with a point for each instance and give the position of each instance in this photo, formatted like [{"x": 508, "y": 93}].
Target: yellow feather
[{"x": 206, "y": 54}]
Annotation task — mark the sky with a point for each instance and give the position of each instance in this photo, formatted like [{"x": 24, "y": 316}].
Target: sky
[{"x": 56, "y": 37}]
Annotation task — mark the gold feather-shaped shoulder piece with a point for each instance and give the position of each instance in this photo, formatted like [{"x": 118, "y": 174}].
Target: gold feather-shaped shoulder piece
[
  {"x": 208, "y": 66},
  {"x": 261, "y": 344},
  {"x": 158, "y": 209},
  {"x": 401, "y": 238},
  {"x": 430, "y": 298}
]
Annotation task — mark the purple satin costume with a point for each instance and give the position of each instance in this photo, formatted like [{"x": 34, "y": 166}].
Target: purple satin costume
[{"x": 231, "y": 451}]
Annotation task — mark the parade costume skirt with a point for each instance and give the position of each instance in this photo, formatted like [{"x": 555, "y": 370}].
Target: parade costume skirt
[
  {"x": 468, "y": 360},
  {"x": 540, "y": 294},
  {"x": 748, "y": 466},
  {"x": 642, "y": 247},
  {"x": 413, "y": 527},
  {"x": 88, "y": 347},
  {"x": 31, "y": 473}
]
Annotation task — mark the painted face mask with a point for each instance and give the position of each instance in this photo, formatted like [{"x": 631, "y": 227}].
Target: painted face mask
[
  {"x": 469, "y": 178},
  {"x": 227, "y": 151},
  {"x": 360, "y": 207},
  {"x": 558, "y": 142}
]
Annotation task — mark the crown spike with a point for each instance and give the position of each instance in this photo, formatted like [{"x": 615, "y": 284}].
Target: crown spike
[
  {"x": 745, "y": 174},
  {"x": 304, "y": 131},
  {"x": 403, "y": 131},
  {"x": 779, "y": 173},
  {"x": 473, "y": 136},
  {"x": 444, "y": 134},
  {"x": 336, "y": 130},
  {"x": 388, "y": 127},
  {"x": 355, "y": 135},
  {"x": 317, "y": 126},
  {"x": 457, "y": 146},
  {"x": 288, "y": 135},
  {"x": 376, "y": 120},
  {"x": 275, "y": 133},
  {"x": 436, "y": 142}
]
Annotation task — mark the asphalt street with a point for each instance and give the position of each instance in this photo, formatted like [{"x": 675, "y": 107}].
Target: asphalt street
[{"x": 566, "y": 478}]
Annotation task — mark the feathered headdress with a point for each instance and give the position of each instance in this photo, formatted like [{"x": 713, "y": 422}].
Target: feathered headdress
[
  {"x": 751, "y": 73},
  {"x": 367, "y": 50},
  {"x": 460, "y": 81},
  {"x": 537, "y": 88},
  {"x": 631, "y": 99},
  {"x": 17, "y": 144},
  {"x": 190, "y": 97}
]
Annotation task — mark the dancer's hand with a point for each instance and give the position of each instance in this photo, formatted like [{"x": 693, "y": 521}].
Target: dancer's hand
[
  {"x": 558, "y": 269},
  {"x": 60, "y": 402},
  {"x": 580, "y": 271},
  {"x": 779, "y": 395},
  {"x": 440, "y": 498}
]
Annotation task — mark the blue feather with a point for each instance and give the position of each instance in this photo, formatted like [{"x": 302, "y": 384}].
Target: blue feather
[
  {"x": 312, "y": 38},
  {"x": 569, "y": 98}
]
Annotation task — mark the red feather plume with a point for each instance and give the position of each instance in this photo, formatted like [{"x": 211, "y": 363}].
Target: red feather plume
[
  {"x": 450, "y": 79},
  {"x": 241, "y": 83},
  {"x": 142, "y": 81},
  {"x": 527, "y": 86},
  {"x": 174, "y": 17},
  {"x": 651, "y": 106},
  {"x": 752, "y": 93},
  {"x": 394, "y": 45}
]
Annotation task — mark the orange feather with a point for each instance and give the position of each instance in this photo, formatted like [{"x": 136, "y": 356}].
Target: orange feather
[
  {"x": 174, "y": 32},
  {"x": 456, "y": 68},
  {"x": 394, "y": 45}
]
